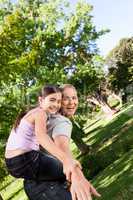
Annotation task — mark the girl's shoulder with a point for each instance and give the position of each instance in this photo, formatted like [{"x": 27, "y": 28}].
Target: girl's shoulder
[
  {"x": 36, "y": 111},
  {"x": 58, "y": 118},
  {"x": 34, "y": 114}
]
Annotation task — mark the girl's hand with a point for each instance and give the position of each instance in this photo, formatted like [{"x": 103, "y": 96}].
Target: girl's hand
[
  {"x": 81, "y": 188},
  {"x": 78, "y": 164}
]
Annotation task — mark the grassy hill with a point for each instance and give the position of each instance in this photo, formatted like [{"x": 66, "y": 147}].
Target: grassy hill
[
  {"x": 109, "y": 164},
  {"x": 110, "y": 161}
]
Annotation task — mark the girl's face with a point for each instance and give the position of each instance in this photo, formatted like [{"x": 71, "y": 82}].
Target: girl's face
[{"x": 51, "y": 103}]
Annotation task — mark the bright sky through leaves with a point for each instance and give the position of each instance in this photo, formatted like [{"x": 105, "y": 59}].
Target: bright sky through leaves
[{"x": 116, "y": 15}]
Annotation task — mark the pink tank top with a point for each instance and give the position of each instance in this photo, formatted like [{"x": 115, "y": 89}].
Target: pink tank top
[{"x": 23, "y": 137}]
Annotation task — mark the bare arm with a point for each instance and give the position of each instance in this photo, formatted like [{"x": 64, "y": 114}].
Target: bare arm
[
  {"x": 81, "y": 188},
  {"x": 46, "y": 142},
  {"x": 63, "y": 143},
  {"x": 42, "y": 136}
]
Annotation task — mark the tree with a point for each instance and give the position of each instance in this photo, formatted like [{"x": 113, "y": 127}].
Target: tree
[
  {"x": 41, "y": 42},
  {"x": 30, "y": 35},
  {"x": 120, "y": 62}
]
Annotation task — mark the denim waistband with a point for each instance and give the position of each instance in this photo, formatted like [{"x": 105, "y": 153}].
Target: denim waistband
[{"x": 30, "y": 154}]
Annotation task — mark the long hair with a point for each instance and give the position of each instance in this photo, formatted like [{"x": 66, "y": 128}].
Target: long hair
[{"x": 44, "y": 92}]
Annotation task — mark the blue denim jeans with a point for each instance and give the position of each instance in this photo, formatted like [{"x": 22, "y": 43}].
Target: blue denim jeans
[
  {"x": 46, "y": 190},
  {"x": 35, "y": 165}
]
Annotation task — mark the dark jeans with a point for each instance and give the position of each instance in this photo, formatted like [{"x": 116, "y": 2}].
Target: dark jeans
[
  {"x": 35, "y": 165},
  {"x": 46, "y": 190}
]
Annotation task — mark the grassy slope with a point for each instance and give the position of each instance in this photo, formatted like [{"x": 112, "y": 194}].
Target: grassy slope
[
  {"x": 13, "y": 189},
  {"x": 109, "y": 163},
  {"x": 111, "y": 158},
  {"x": 116, "y": 181}
]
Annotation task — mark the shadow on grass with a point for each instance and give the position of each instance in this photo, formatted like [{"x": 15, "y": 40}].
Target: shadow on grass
[
  {"x": 111, "y": 129},
  {"x": 116, "y": 181},
  {"x": 1, "y": 197},
  {"x": 93, "y": 130},
  {"x": 91, "y": 124},
  {"x": 109, "y": 144}
]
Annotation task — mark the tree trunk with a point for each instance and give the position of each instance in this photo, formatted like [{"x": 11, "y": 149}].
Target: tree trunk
[
  {"x": 103, "y": 104},
  {"x": 77, "y": 136},
  {"x": 124, "y": 97}
]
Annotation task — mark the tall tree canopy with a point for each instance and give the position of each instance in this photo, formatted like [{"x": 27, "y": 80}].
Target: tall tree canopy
[
  {"x": 120, "y": 62},
  {"x": 46, "y": 42},
  {"x": 41, "y": 38}
]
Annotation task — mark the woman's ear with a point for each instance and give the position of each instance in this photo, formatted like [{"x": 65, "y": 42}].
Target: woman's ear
[{"x": 40, "y": 100}]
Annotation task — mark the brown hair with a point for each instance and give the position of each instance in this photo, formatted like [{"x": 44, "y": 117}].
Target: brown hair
[
  {"x": 64, "y": 86},
  {"x": 45, "y": 91}
]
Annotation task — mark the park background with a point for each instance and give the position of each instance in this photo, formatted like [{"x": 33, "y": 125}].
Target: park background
[{"x": 57, "y": 42}]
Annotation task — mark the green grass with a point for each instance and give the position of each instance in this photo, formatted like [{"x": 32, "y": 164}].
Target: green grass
[
  {"x": 13, "y": 189},
  {"x": 109, "y": 164},
  {"x": 116, "y": 181},
  {"x": 110, "y": 161}
]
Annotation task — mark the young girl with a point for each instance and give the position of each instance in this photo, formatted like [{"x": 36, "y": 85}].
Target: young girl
[{"x": 22, "y": 156}]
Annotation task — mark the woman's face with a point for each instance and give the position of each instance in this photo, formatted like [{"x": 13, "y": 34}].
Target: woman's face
[
  {"x": 51, "y": 103},
  {"x": 69, "y": 102}
]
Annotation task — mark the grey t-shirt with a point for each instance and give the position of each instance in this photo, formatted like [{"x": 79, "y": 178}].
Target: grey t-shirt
[{"x": 58, "y": 125}]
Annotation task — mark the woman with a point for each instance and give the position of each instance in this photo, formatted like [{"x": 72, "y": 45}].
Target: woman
[{"x": 80, "y": 188}]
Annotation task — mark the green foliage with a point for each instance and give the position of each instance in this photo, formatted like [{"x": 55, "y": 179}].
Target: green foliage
[
  {"x": 31, "y": 40},
  {"x": 120, "y": 62},
  {"x": 42, "y": 43}
]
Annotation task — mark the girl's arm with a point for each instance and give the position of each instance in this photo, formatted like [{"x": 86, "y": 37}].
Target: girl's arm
[
  {"x": 46, "y": 142},
  {"x": 80, "y": 186},
  {"x": 63, "y": 143}
]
